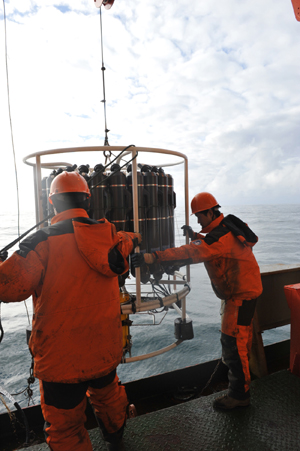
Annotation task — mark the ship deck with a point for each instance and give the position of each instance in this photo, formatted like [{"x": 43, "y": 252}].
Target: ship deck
[{"x": 271, "y": 422}]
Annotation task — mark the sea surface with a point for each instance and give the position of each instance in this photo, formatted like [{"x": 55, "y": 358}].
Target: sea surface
[{"x": 278, "y": 229}]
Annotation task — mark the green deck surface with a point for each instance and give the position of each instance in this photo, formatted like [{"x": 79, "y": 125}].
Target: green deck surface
[{"x": 271, "y": 422}]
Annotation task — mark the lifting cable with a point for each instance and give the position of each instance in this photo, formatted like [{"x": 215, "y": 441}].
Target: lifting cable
[
  {"x": 110, "y": 163},
  {"x": 9, "y": 113},
  {"x": 193, "y": 393},
  {"x": 20, "y": 237},
  {"x": 156, "y": 287},
  {"x": 2, "y": 391},
  {"x": 1, "y": 328},
  {"x": 106, "y": 143},
  {"x": 112, "y": 173}
]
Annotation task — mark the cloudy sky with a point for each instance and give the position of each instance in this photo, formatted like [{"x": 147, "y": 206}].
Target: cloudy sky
[{"x": 217, "y": 81}]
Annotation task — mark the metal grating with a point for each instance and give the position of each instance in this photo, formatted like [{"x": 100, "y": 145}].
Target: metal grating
[{"x": 271, "y": 423}]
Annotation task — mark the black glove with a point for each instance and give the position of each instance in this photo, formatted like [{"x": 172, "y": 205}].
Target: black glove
[
  {"x": 188, "y": 230},
  {"x": 3, "y": 255},
  {"x": 137, "y": 240},
  {"x": 157, "y": 271},
  {"x": 171, "y": 269},
  {"x": 137, "y": 260}
]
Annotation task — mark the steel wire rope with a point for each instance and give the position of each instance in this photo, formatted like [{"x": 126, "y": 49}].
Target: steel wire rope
[
  {"x": 19, "y": 392},
  {"x": 13, "y": 144},
  {"x": 12, "y": 139},
  {"x": 198, "y": 392},
  {"x": 109, "y": 164},
  {"x": 114, "y": 172},
  {"x": 1, "y": 327},
  {"x": 106, "y": 143},
  {"x": 211, "y": 377},
  {"x": 9, "y": 114},
  {"x": 18, "y": 210}
]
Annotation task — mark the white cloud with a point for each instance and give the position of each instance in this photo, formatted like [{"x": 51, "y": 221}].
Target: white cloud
[{"x": 216, "y": 82}]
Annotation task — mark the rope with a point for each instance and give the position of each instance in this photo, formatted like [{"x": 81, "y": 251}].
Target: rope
[
  {"x": 10, "y": 121},
  {"x": 27, "y": 312},
  {"x": 103, "y": 169},
  {"x": 210, "y": 379},
  {"x": 112, "y": 173},
  {"x": 106, "y": 143},
  {"x": 1, "y": 328},
  {"x": 13, "y": 147},
  {"x": 13, "y": 401}
]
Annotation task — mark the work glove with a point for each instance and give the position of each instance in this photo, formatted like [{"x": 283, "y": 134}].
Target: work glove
[
  {"x": 171, "y": 269},
  {"x": 137, "y": 240},
  {"x": 157, "y": 271},
  {"x": 188, "y": 230},
  {"x": 3, "y": 256},
  {"x": 137, "y": 260}
]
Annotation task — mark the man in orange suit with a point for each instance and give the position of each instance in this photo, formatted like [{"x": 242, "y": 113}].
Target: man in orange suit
[
  {"x": 226, "y": 251},
  {"x": 71, "y": 269}
]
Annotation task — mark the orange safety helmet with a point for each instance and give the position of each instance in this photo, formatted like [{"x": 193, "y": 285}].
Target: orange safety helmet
[
  {"x": 203, "y": 201},
  {"x": 68, "y": 182}
]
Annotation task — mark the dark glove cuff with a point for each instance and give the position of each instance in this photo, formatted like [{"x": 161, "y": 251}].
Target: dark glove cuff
[
  {"x": 3, "y": 256},
  {"x": 135, "y": 242}
]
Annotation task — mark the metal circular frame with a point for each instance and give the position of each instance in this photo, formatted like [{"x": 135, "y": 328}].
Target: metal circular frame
[{"x": 139, "y": 305}]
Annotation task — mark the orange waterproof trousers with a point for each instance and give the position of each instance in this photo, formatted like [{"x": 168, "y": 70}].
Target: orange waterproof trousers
[
  {"x": 63, "y": 407},
  {"x": 236, "y": 339}
]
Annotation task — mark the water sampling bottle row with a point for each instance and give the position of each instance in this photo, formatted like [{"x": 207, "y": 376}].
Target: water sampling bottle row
[{"x": 111, "y": 198}]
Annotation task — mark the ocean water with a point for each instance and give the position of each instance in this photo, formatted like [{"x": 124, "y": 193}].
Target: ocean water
[{"x": 278, "y": 229}]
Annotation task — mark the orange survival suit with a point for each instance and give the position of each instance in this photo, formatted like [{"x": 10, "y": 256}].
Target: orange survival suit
[
  {"x": 71, "y": 269},
  {"x": 226, "y": 251}
]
